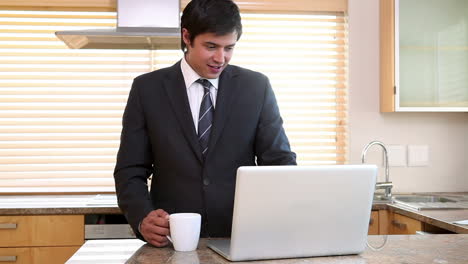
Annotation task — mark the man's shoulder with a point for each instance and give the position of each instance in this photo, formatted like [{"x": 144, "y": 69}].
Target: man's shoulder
[
  {"x": 158, "y": 74},
  {"x": 245, "y": 73}
]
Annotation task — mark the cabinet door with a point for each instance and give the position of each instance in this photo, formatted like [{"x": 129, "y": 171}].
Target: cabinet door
[
  {"x": 53, "y": 255},
  {"x": 374, "y": 223},
  {"x": 387, "y": 56},
  {"x": 16, "y": 256},
  {"x": 41, "y": 230},
  {"x": 424, "y": 55},
  {"x": 36, "y": 255},
  {"x": 402, "y": 225}
]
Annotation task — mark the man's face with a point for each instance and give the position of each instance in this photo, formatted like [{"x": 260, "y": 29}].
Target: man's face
[{"x": 209, "y": 54}]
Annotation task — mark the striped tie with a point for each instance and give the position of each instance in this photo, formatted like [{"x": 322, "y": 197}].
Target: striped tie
[{"x": 205, "y": 118}]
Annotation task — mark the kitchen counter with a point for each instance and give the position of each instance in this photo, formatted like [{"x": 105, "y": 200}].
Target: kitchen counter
[
  {"x": 71, "y": 204},
  {"x": 440, "y": 218},
  {"x": 107, "y": 204},
  {"x": 440, "y": 249},
  {"x": 58, "y": 204}
]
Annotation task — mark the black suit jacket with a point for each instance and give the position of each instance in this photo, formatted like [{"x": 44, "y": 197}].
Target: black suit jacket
[{"x": 159, "y": 139}]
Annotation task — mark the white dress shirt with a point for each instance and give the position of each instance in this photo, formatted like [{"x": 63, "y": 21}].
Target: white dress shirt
[{"x": 195, "y": 90}]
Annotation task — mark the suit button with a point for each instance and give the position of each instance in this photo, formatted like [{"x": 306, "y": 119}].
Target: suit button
[{"x": 206, "y": 181}]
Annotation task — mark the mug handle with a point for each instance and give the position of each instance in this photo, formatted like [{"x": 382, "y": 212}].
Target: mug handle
[{"x": 168, "y": 237}]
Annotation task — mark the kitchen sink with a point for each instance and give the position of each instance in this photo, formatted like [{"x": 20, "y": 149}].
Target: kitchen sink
[
  {"x": 423, "y": 199},
  {"x": 430, "y": 202}
]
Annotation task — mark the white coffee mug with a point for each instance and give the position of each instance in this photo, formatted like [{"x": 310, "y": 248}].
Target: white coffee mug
[{"x": 185, "y": 231}]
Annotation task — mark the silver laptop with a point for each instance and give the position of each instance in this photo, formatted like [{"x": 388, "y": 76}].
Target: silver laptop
[{"x": 299, "y": 211}]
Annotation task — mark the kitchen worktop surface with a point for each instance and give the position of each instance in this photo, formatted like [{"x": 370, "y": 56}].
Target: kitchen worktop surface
[
  {"x": 440, "y": 218},
  {"x": 439, "y": 249},
  {"x": 58, "y": 204},
  {"x": 107, "y": 204}
]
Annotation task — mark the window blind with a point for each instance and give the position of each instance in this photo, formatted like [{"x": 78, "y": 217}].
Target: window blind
[{"x": 61, "y": 109}]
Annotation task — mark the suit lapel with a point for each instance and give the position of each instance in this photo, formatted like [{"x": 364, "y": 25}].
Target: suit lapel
[
  {"x": 177, "y": 93},
  {"x": 224, "y": 99}
]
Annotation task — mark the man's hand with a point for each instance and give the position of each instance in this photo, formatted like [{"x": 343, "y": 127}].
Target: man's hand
[{"x": 155, "y": 228}]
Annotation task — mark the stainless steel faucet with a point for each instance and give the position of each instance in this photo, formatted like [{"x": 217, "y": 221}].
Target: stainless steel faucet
[{"x": 387, "y": 185}]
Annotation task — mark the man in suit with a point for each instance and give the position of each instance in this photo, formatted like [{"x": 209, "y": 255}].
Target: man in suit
[{"x": 192, "y": 125}]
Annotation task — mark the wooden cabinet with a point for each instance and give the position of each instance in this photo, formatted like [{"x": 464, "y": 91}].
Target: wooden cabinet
[
  {"x": 385, "y": 222},
  {"x": 39, "y": 255},
  {"x": 403, "y": 225},
  {"x": 378, "y": 224},
  {"x": 40, "y": 238},
  {"x": 15, "y": 255},
  {"x": 423, "y": 62},
  {"x": 53, "y": 255},
  {"x": 374, "y": 223}
]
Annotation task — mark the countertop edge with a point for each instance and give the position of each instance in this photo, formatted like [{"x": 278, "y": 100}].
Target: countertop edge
[
  {"x": 427, "y": 219},
  {"x": 60, "y": 211},
  {"x": 449, "y": 248},
  {"x": 423, "y": 216}
]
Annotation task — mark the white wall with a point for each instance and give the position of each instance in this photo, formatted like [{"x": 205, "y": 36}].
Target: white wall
[{"x": 446, "y": 134}]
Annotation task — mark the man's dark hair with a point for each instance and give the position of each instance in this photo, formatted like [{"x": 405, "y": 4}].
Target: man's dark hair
[{"x": 220, "y": 17}]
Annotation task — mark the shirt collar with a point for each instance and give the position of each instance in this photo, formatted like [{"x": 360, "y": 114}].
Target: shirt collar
[{"x": 190, "y": 76}]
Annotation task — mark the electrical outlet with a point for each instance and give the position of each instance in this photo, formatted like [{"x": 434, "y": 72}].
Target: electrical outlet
[
  {"x": 396, "y": 155},
  {"x": 418, "y": 155}
]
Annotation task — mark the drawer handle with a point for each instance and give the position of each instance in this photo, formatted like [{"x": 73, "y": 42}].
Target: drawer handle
[
  {"x": 7, "y": 258},
  {"x": 399, "y": 224},
  {"x": 8, "y": 226}
]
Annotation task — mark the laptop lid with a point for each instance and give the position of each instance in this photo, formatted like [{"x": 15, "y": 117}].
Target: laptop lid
[{"x": 301, "y": 211}]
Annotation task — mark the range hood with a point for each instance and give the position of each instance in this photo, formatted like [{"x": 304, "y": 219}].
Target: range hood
[{"x": 141, "y": 24}]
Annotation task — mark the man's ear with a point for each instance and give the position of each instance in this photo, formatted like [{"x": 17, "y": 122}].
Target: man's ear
[{"x": 186, "y": 36}]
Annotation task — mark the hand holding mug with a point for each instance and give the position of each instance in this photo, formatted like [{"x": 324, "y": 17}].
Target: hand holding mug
[{"x": 155, "y": 227}]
